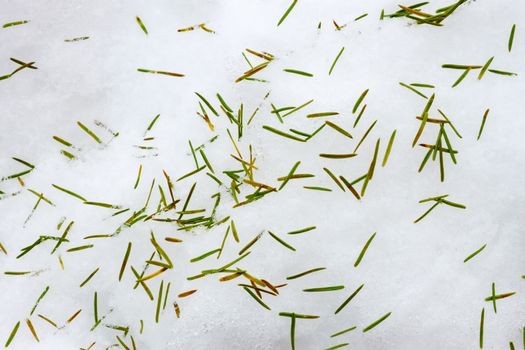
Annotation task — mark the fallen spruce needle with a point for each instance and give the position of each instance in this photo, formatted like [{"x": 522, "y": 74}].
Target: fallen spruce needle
[
  {"x": 188, "y": 293},
  {"x": 124, "y": 261},
  {"x": 32, "y": 329},
  {"x": 337, "y": 156},
  {"x": 322, "y": 114},
  {"x": 288, "y": 10},
  {"x": 205, "y": 255},
  {"x": 359, "y": 100},
  {"x": 343, "y": 332},
  {"x": 375, "y": 323},
  {"x": 305, "y": 273},
  {"x": 295, "y": 316},
  {"x": 89, "y": 132},
  {"x": 389, "y": 148},
  {"x": 159, "y": 72},
  {"x": 338, "y": 346},
  {"x": 299, "y": 72},
  {"x": 12, "y": 24},
  {"x": 511, "y": 37},
  {"x": 12, "y": 334},
  {"x": 485, "y": 67},
  {"x": 424, "y": 120},
  {"x": 283, "y": 134},
  {"x": 324, "y": 289},
  {"x": 483, "y": 123},
  {"x": 481, "y": 324},
  {"x": 342, "y": 306},
  {"x": 303, "y": 230},
  {"x": 499, "y": 296},
  {"x": 438, "y": 200},
  {"x": 256, "y": 298},
  {"x": 475, "y": 253},
  {"x": 350, "y": 187},
  {"x": 274, "y": 236},
  {"x": 142, "y": 26},
  {"x": 336, "y": 59},
  {"x": 363, "y": 251}
]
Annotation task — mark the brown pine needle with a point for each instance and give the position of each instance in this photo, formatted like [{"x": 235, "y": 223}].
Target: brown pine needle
[
  {"x": 414, "y": 12},
  {"x": 232, "y": 276},
  {"x": 152, "y": 275},
  {"x": 188, "y": 293},
  {"x": 350, "y": 187},
  {"x": 72, "y": 317},
  {"x": 32, "y": 329},
  {"x": 499, "y": 296},
  {"x": 252, "y": 71}
]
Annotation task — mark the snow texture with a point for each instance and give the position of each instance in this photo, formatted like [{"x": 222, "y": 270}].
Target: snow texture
[{"x": 416, "y": 271}]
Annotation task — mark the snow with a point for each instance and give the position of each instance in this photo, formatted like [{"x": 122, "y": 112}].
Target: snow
[{"x": 416, "y": 271}]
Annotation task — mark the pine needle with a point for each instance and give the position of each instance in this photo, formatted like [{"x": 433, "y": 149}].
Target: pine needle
[
  {"x": 287, "y": 13},
  {"x": 142, "y": 26},
  {"x": 336, "y": 59},
  {"x": 363, "y": 251},
  {"x": 375, "y": 323}
]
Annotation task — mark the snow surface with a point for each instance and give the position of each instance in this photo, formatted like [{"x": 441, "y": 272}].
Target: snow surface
[{"x": 416, "y": 271}]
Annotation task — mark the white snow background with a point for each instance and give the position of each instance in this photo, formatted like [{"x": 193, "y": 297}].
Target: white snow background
[{"x": 416, "y": 271}]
